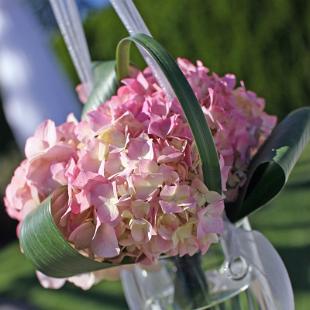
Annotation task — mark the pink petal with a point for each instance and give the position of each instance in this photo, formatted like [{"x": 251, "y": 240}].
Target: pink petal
[
  {"x": 170, "y": 207},
  {"x": 140, "y": 148},
  {"x": 39, "y": 167},
  {"x": 105, "y": 242},
  {"x": 146, "y": 166},
  {"x": 34, "y": 146},
  {"x": 49, "y": 282},
  {"x": 82, "y": 236},
  {"x": 102, "y": 196},
  {"x": 113, "y": 165},
  {"x": 81, "y": 89},
  {"x": 167, "y": 224},
  {"x": 58, "y": 173},
  {"x": 162, "y": 127},
  {"x": 145, "y": 185},
  {"x": 141, "y": 230},
  {"x": 47, "y": 132},
  {"x": 140, "y": 208}
]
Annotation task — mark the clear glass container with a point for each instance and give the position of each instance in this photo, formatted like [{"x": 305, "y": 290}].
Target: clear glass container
[{"x": 243, "y": 271}]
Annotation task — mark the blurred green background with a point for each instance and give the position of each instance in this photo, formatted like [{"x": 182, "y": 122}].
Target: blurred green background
[{"x": 267, "y": 45}]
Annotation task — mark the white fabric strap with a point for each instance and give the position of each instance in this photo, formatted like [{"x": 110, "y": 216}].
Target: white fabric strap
[
  {"x": 134, "y": 24},
  {"x": 69, "y": 22}
]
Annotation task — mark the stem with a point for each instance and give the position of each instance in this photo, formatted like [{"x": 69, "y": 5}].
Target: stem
[{"x": 190, "y": 283}]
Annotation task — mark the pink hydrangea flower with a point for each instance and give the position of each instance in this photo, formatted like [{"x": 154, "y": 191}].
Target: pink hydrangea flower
[{"x": 127, "y": 181}]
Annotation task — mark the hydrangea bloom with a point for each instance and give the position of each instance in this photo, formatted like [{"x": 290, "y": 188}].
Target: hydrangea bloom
[{"x": 127, "y": 181}]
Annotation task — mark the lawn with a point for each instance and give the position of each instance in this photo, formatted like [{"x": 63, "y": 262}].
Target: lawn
[{"x": 286, "y": 222}]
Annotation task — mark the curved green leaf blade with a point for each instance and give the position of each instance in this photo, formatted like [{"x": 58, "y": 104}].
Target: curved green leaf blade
[
  {"x": 44, "y": 245},
  {"x": 105, "y": 87},
  {"x": 186, "y": 97},
  {"x": 272, "y": 165}
]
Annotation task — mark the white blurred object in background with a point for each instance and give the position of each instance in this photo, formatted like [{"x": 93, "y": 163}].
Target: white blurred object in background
[{"x": 32, "y": 84}]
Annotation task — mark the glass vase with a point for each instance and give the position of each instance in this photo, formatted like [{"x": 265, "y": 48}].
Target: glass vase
[{"x": 243, "y": 271}]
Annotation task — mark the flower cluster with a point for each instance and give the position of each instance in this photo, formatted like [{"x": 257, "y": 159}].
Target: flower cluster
[{"x": 127, "y": 180}]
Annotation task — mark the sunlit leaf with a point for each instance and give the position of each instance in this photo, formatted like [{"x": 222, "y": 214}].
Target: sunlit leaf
[{"x": 105, "y": 86}]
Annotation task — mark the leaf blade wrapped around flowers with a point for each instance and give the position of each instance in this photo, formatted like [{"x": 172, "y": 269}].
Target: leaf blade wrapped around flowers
[
  {"x": 185, "y": 95},
  {"x": 272, "y": 165},
  {"x": 50, "y": 253},
  {"x": 40, "y": 238},
  {"x": 106, "y": 84}
]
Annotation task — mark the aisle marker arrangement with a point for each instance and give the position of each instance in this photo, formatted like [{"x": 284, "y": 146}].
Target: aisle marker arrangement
[{"x": 150, "y": 169}]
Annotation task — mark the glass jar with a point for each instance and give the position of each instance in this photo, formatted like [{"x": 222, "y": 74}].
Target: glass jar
[{"x": 243, "y": 271}]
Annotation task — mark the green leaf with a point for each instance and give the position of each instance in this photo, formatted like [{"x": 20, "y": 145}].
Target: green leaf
[
  {"x": 44, "y": 245},
  {"x": 186, "y": 97},
  {"x": 272, "y": 165},
  {"x": 105, "y": 86}
]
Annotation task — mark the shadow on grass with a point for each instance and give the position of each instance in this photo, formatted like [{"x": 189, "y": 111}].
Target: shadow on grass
[
  {"x": 298, "y": 186},
  {"x": 284, "y": 226},
  {"x": 297, "y": 262},
  {"x": 7, "y": 304},
  {"x": 304, "y": 161},
  {"x": 7, "y": 226},
  {"x": 20, "y": 291}
]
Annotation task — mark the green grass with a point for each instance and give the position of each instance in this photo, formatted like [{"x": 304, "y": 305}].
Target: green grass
[
  {"x": 286, "y": 223},
  {"x": 18, "y": 282}
]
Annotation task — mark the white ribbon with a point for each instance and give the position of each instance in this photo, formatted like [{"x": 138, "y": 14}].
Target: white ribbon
[
  {"x": 69, "y": 22},
  {"x": 134, "y": 24}
]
